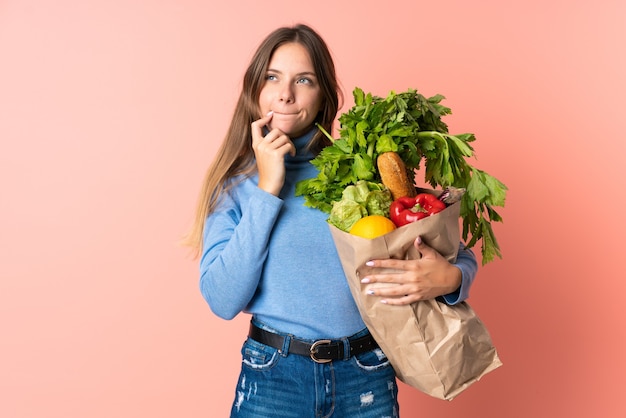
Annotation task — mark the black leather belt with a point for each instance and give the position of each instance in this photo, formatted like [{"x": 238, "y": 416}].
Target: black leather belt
[{"x": 320, "y": 351}]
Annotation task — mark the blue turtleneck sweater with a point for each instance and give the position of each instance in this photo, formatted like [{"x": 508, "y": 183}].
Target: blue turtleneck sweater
[{"x": 272, "y": 257}]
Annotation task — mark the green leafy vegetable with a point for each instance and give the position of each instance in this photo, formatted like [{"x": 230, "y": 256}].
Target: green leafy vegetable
[
  {"x": 411, "y": 125},
  {"x": 357, "y": 201}
]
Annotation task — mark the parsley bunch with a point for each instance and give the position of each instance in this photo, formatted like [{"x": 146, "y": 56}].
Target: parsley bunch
[{"x": 411, "y": 125}]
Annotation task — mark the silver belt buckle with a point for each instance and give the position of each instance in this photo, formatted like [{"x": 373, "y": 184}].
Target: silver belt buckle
[{"x": 313, "y": 351}]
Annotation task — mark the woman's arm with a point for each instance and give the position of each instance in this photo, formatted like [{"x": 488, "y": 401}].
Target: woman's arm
[
  {"x": 235, "y": 248},
  {"x": 236, "y": 236},
  {"x": 466, "y": 263}
]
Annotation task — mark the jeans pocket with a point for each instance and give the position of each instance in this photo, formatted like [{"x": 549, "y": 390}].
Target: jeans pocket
[
  {"x": 372, "y": 361},
  {"x": 257, "y": 356}
]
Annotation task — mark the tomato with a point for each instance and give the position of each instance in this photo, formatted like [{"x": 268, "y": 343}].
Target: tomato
[{"x": 372, "y": 226}]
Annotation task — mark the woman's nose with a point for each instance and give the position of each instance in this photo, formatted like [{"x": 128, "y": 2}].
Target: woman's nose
[{"x": 286, "y": 94}]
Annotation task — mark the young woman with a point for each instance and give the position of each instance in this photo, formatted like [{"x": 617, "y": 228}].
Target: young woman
[{"x": 308, "y": 353}]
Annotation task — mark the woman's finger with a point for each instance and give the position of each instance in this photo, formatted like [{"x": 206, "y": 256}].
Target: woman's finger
[
  {"x": 390, "y": 263},
  {"x": 257, "y": 128},
  {"x": 383, "y": 278}
]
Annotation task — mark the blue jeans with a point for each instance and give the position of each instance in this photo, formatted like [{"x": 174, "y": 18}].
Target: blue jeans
[{"x": 273, "y": 384}]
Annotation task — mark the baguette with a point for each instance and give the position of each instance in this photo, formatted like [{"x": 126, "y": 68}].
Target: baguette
[{"x": 394, "y": 175}]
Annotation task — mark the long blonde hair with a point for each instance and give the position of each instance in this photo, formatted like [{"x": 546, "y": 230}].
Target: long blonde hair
[{"x": 235, "y": 156}]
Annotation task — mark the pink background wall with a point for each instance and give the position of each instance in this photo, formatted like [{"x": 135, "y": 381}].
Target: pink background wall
[{"x": 111, "y": 110}]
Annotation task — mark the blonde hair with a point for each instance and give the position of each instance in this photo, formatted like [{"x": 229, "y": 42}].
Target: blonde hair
[{"x": 235, "y": 156}]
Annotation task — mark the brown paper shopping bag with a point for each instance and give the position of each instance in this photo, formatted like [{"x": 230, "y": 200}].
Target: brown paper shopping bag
[{"x": 437, "y": 348}]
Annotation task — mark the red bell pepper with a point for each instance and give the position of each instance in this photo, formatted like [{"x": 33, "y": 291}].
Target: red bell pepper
[{"x": 410, "y": 209}]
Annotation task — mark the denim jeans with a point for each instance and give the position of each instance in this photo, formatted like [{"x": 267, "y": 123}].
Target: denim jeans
[{"x": 273, "y": 384}]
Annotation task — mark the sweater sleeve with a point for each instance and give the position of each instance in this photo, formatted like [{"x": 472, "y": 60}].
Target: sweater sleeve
[
  {"x": 234, "y": 250},
  {"x": 466, "y": 262}
]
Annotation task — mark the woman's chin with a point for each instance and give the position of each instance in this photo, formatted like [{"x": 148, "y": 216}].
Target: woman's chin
[{"x": 288, "y": 129}]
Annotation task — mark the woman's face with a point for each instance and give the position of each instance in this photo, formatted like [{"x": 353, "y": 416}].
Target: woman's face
[{"x": 291, "y": 90}]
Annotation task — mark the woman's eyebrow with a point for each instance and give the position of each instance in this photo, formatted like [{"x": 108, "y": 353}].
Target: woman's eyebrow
[{"x": 303, "y": 73}]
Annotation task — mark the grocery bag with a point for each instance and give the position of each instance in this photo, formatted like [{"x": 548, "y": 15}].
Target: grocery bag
[{"x": 437, "y": 348}]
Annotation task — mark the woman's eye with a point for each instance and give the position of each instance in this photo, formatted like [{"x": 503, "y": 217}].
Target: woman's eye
[
  {"x": 270, "y": 77},
  {"x": 305, "y": 80}
]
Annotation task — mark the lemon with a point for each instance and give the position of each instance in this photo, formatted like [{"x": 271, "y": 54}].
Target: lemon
[{"x": 372, "y": 226}]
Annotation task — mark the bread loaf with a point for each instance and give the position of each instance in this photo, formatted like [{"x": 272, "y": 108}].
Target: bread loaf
[{"x": 394, "y": 175}]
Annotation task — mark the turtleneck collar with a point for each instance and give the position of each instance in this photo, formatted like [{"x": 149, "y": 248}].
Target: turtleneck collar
[{"x": 302, "y": 154}]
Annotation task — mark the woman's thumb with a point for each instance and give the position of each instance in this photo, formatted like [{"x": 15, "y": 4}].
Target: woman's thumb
[{"x": 421, "y": 247}]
